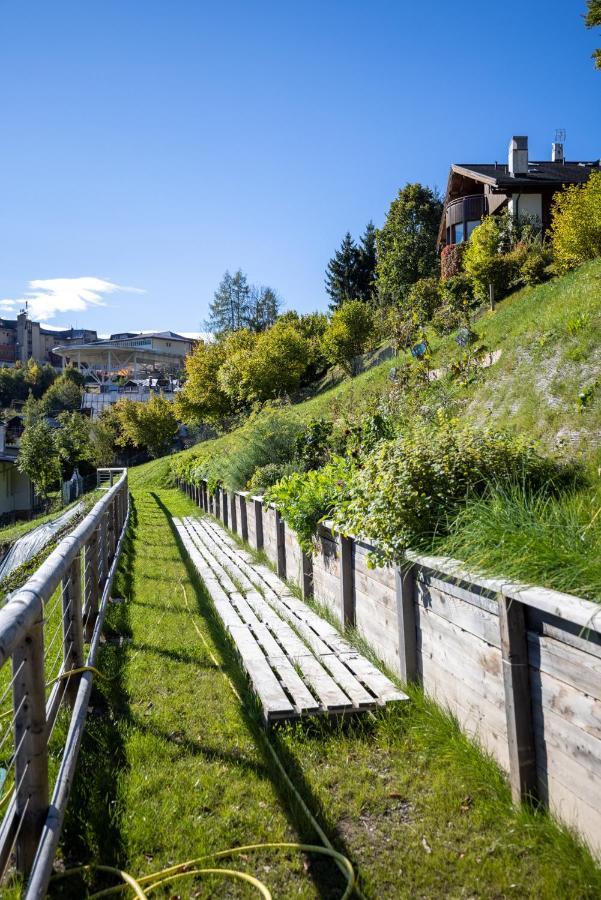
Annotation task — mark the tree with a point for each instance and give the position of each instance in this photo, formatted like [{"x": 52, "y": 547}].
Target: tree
[
  {"x": 366, "y": 275},
  {"x": 276, "y": 364},
  {"x": 38, "y": 457},
  {"x": 230, "y": 308},
  {"x": 232, "y": 375},
  {"x": 104, "y": 433},
  {"x": 576, "y": 224},
  {"x": 483, "y": 260},
  {"x": 406, "y": 244},
  {"x": 64, "y": 394},
  {"x": 263, "y": 308},
  {"x": 593, "y": 20},
  {"x": 202, "y": 398},
  {"x": 343, "y": 273},
  {"x": 72, "y": 442},
  {"x": 151, "y": 425},
  {"x": 406, "y": 323},
  {"x": 348, "y": 335}
]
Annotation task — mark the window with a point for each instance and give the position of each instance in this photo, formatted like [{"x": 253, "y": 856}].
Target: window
[
  {"x": 458, "y": 232},
  {"x": 473, "y": 223}
]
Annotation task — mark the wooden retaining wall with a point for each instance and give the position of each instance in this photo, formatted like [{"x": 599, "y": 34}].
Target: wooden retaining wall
[{"x": 520, "y": 668}]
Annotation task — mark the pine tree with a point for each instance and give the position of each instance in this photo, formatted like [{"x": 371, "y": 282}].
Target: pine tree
[
  {"x": 230, "y": 310},
  {"x": 342, "y": 273},
  {"x": 367, "y": 264}
]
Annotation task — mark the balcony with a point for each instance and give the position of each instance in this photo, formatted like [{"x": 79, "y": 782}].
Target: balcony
[{"x": 462, "y": 216}]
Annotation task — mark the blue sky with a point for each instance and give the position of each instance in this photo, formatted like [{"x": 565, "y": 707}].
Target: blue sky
[{"x": 151, "y": 145}]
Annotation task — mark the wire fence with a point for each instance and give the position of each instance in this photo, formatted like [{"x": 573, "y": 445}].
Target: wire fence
[{"x": 49, "y": 632}]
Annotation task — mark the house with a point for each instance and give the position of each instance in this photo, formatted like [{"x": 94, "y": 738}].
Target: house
[
  {"x": 523, "y": 186},
  {"x": 17, "y": 497},
  {"x": 21, "y": 339}
]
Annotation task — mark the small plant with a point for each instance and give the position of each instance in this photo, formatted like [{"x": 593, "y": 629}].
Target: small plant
[
  {"x": 577, "y": 323},
  {"x": 266, "y": 476}
]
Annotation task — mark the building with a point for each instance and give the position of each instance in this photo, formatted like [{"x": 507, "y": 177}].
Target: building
[
  {"x": 21, "y": 339},
  {"x": 525, "y": 187},
  {"x": 16, "y": 490},
  {"x": 143, "y": 364}
]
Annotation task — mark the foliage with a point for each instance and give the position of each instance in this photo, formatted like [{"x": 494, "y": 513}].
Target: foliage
[
  {"x": 451, "y": 260},
  {"x": 304, "y": 499},
  {"x": 593, "y": 20},
  {"x": 104, "y": 433},
  {"x": 63, "y": 395},
  {"x": 535, "y": 267},
  {"x": 406, "y": 244},
  {"x": 38, "y": 457},
  {"x": 405, "y": 323},
  {"x": 349, "y": 334},
  {"x": 73, "y": 443},
  {"x": 237, "y": 304},
  {"x": 202, "y": 398},
  {"x": 351, "y": 271},
  {"x": 266, "y": 476},
  {"x": 18, "y": 382},
  {"x": 232, "y": 375},
  {"x": 411, "y": 486},
  {"x": 151, "y": 424},
  {"x": 312, "y": 445},
  {"x": 312, "y": 327},
  {"x": 276, "y": 363},
  {"x": 457, "y": 301},
  {"x": 576, "y": 224}
]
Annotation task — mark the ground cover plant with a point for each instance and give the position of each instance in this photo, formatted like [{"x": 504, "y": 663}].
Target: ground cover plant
[{"x": 172, "y": 765}]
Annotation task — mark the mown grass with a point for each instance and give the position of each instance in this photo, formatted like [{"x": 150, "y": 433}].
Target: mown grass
[{"x": 173, "y": 765}]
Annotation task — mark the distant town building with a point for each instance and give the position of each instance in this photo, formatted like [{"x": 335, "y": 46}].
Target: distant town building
[
  {"x": 128, "y": 364},
  {"x": 21, "y": 339},
  {"x": 523, "y": 186}
]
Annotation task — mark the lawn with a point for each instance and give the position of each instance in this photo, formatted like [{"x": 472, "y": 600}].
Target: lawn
[{"x": 173, "y": 765}]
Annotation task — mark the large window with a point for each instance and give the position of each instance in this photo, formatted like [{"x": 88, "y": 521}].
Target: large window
[
  {"x": 458, "y": 232},
  {"x": 473, "y": 223}
]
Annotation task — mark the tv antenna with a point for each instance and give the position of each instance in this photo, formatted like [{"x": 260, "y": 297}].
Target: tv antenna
[{"x": 560, "y": 135}]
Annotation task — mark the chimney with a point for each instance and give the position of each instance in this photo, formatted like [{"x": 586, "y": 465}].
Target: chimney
[
  {"x": 557, "y": 152},
  {"x": 518, "y": 156}
]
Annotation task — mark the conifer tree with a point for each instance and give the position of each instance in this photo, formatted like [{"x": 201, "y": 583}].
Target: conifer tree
[
  {"x": 230, "y": 309},
  {"x": 367, "y": 264},
  {"x": 342, "y": 273}
]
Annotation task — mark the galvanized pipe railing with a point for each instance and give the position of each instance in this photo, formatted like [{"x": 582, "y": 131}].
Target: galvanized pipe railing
[{"x": 44, "y": 628}]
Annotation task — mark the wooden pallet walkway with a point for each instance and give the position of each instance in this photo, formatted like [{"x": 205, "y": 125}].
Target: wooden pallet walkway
[{"x": 297, "y": 662}]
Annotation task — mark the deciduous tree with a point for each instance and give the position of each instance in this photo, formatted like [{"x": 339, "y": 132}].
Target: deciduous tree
[
  {"x": 349, "y": 334},
  {"x": 38, "y": 457}
]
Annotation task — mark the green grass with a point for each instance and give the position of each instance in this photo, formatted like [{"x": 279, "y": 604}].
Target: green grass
[{"x": 173, "y": 766}]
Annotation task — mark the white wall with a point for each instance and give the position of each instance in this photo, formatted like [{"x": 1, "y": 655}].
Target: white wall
[
  {"x": 530, "y": 205},
  {"x": 15, "y": 489}
]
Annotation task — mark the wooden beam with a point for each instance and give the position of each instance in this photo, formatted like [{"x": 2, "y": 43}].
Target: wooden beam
[
  {"x": 520, "y": 732},
  {"x": 405, "y": 606},
  {"x": 347, "y": 586}
]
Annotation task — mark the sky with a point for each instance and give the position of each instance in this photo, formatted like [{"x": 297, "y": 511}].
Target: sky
[{"x": 146, "y": 147}]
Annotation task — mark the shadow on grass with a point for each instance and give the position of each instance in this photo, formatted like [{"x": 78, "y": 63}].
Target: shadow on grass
[
  {"x": 92, "y": 828},
  {"x": 328, "y": 881}
]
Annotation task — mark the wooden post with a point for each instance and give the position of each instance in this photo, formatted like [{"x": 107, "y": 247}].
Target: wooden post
[
  {"x": 405, "y": 610},
  {"x": 347, "y": 587},
  {"x": 518, "y": 708},
  {"x": 91, "y": 583},
  {"x": 233, "y": 513},
  {"x": 307, "y": 574},
  {"x": 258, "y": 508},
  {"x": 31, "y": 759},
  {"x": 280, "y": 539},
  {"x": 224, "y": 505},
  {"x": 243, "y": 518},
  {"x": 73, "y": 649}
]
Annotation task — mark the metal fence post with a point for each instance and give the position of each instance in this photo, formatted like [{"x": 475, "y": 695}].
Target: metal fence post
[
  {"x": 91, "y": 583},
  {"x": 31, "y": 757},
  {"x": 73, "y": 648},
  {"x": 104, "y": 549}
]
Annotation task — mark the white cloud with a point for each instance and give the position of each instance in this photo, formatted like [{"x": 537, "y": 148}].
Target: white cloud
[{"x": 48, "y": 296}]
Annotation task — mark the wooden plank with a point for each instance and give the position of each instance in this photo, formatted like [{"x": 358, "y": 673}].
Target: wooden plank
[
  {"x": 553, "y": 731},
  {"x": 466, "y": 615},
  {"x": 577, "y": 708},
  {"x": 352, "y": 687},
  {"x": 244, "y": 610},
  {"x": 331, "y": 696},
  {"x": 567, "y": 664},
  {"x": 303, "y": 699},
  {"x": 347, "y": 593},
  {"x": 274, "y": 701},
  {"x": 520, "y": 733},
  {"x": 378, "y": 684},
  {"x": 461, "y": 590}
]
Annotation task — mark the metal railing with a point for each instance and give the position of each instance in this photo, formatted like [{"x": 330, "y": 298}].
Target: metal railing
[{"x": 48, "y": 628}]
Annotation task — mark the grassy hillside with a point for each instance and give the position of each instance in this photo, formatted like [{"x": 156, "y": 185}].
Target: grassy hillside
[{"x": 546, "y": 382}]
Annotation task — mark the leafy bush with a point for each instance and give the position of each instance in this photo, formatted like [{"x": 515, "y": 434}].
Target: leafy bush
[
  {"x": 451, "y": 260},
  {"x": 266, "y": 476},
  {"x": 312, "y": 446},
  {"x": 304, "y": 499},
  {"x": 411, "y": 486},
  {"x": 349, "y": 334},
  {"x": 535, "y": 267},
  {"x": 576, "y": 224}
]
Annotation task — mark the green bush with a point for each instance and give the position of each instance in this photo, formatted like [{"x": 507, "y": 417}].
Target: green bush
[
  {"x": 349, "y": 334},
  {"x": 266, "y": 476},
  {"x": 412, "y": 485},
  {"x": 304, "y": 499},
  {"x": 535, "y": 267},
  {"x": 576, "y": 225}
]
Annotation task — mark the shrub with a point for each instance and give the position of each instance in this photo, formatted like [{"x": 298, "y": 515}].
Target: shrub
[
  {"x": 409, "y": 487},
  {"x": 451, "y": 260},
  {"x": 485, "y": 262},
  {"x": 576, "y": 224},
  {"x": 312, "y": 446},
  {"x": 349, "y": 334},
  {"x": 535, "y": 267},
  {"x": 266, "y": 476},
  {"x": 304, "y": 499}
]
